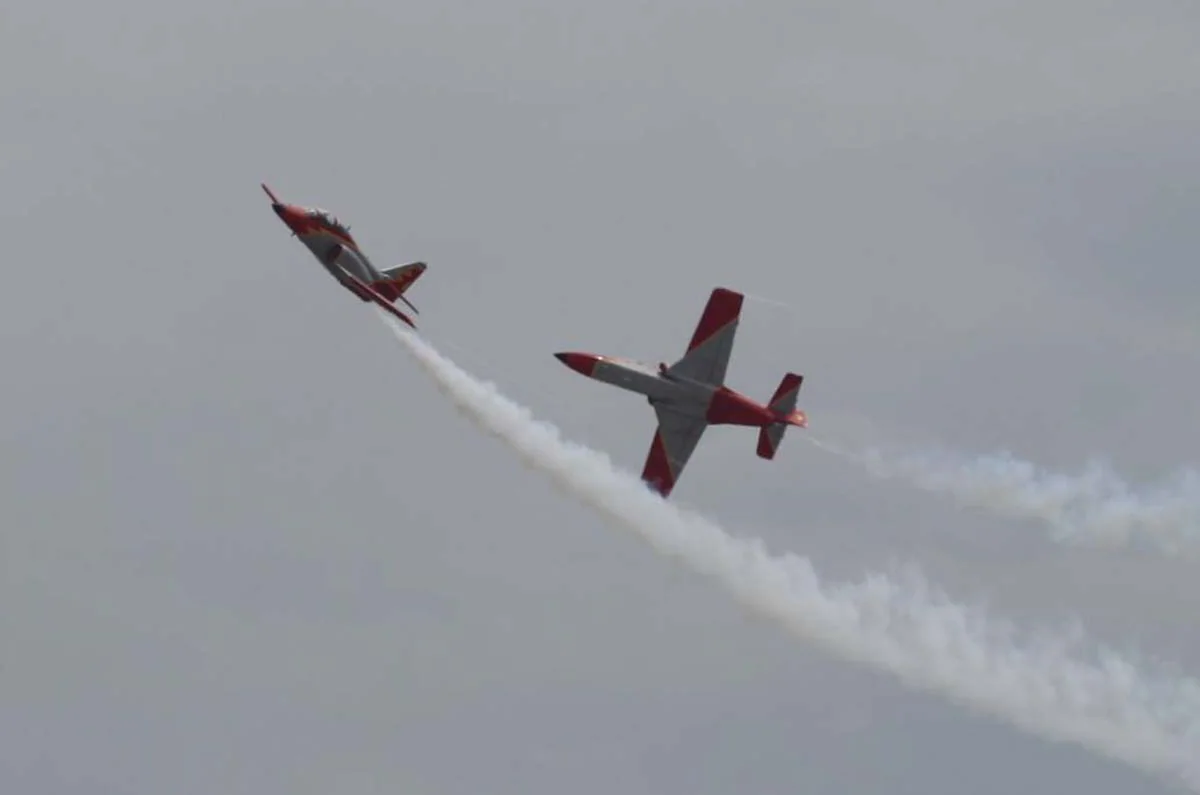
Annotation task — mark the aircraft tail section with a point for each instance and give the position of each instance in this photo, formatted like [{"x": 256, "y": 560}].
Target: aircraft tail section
[
  {"x": 783, "y": 404},
  {"x": 404, "y": 275},
  {"x": 397, "y": 280}
]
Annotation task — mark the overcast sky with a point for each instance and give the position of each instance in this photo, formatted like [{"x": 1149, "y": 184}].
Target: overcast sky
[{"x": 247, "y": 548}]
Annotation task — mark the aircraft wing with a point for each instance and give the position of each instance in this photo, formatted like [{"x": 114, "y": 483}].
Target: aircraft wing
[
  {"x": 674, "y": 442},
  {"x": 707, "y": 355}
]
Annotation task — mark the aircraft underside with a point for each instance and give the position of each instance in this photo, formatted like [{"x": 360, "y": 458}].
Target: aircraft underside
[
  {"x": 715, "y": 405},
  {"x": 644, "y": 380},
  {"x": 690, "y": 394}
]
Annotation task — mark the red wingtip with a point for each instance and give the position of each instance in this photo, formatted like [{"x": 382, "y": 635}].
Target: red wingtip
[
  {"x": 723, "y": 308},
  {"x": 657, "y": 473}
]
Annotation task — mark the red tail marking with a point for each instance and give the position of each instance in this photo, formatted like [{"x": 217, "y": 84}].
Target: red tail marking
[
  {"x": 392, "y": 289},
  {"x": 765, "y": 448},
  {"x": 790, "y": 383},
  {"x": 733, "y": 408},
  {"x": 723, "y": 308},
  {"x": 408, "y": 277}
]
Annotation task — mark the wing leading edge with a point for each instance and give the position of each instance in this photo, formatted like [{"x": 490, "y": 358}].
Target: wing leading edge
[
  {"x": 708, "y": 353},
  {"x": 674, "y": 442}
]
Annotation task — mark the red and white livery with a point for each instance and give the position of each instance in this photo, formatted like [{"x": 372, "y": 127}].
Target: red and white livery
[
  {"x": 690, "y": 394},
  {"x": 330, "y": 242}
]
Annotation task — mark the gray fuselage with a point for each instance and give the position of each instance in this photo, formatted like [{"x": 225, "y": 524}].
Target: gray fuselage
[
  {"x": 685, "y": 396},
  {"x": 334, "y": 253}
]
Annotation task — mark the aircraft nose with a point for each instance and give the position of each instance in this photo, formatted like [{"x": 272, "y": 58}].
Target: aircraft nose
[
  {"x": 289, "y": 214},
  {"x": 583, "y": 363}
]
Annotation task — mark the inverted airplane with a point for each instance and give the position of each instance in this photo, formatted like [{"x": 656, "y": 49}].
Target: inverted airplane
[
  {"x": 330, "y": 242},
  {"x": 690, "y": 394}
]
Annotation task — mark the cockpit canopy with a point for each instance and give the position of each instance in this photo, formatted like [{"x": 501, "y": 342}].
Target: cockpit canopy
[{"x": 328, "y": 217}]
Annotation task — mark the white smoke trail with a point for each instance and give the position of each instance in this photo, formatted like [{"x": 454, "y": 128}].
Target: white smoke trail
[
  {"x": 1095, "y": 507},
  {"x": 910, "y": 630},
  {"x": 769, "y": 302}
]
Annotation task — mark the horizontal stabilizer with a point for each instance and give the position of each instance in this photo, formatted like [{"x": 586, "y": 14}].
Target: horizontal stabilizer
[
  {"x": 769, "y": 438},
  {"x": 404, "y": 275},
  {"x": 398, "y": 280},
  {"x": 783, "y": 404},
  {"x": 784, "y": 399}
]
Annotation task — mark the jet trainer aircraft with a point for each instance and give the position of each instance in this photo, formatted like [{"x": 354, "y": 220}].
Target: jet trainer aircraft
[
  {"x": 690, "y": 395},
  {"x": 330, "y": 242}
]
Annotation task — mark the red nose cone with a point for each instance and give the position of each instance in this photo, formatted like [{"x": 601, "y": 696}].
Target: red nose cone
[
  {"x": 583, "y": 363},
  {"x": 290, "y": 214}
]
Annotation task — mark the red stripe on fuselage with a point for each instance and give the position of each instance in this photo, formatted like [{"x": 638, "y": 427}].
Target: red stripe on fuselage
[
  {"x": 341, "y": 237},
  {"x": 306, "y": 225},
  {"x": 302, "y": 222}
]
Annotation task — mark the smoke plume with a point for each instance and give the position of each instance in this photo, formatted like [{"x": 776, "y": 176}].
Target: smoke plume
[{"x": 1055, "y": 685}]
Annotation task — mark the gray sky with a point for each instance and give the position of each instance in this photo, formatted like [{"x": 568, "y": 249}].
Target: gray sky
[{"x": 247, "y": 547}]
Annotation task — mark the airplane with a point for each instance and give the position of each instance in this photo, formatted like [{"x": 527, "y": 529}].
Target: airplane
[
  {"x": 690, "y": 394},
  {"x": 330, "y": 242}
]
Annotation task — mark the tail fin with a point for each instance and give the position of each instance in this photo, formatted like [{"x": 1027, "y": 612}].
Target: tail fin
[
  {"x": 398, "y": 280},
  {"x": 783, "y": 403}
]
